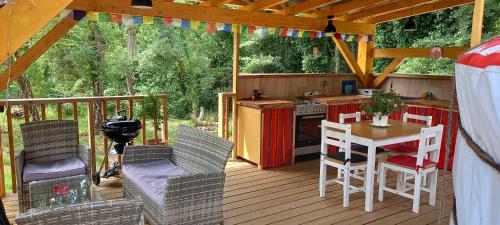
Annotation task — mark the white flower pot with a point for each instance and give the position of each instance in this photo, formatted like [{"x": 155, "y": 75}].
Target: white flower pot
[{"x": 381, "y": 120}]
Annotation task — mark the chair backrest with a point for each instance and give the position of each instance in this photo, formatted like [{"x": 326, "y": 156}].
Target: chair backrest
[
  {"x": 426, "y": 119},
  {"x": 197, "y": 151},
  {"x": 430, "y": 143},
  {"x": 336, "y": 134},
  {"x": 123, "y": 212},
  {"x": 344, "y": 116},
  {"x": 50, "y": 140}
]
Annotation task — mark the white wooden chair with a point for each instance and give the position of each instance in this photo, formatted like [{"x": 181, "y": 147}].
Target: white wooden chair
[
  {"x": 361, "y": 149},
  {"x": 339, "y": 135},
  {"x": 430, "y": 143},
  {"x": 404, "y": 148}
]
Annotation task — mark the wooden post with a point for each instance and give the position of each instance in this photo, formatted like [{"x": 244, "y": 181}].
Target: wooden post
[
  {"x": 221, "y": 114},
  {"x": 75, "y": 118},
  {"x": 131, "y": 112},
  {"x": 105, "y": 139},
  {"x": 226, "y": 117},
  {"x": 42, "y": 108},
  {"x": 365, "y": 57},
  {"x": 26, "y": 113},
  {"x": 144, "y": 136},
  {"x": 2, "y": 173},
  {"x": 91, "y": 132},
  {"x": 118, "y": 108},
  {"x": 236, "y": 73},
  {"x": 350, "y": 59},
  {"x": 164, "y": 104},
  {"x": 11, "y": 149},
  {"x": 59, "y": 111},
  {"x": 477, "y": 23}
]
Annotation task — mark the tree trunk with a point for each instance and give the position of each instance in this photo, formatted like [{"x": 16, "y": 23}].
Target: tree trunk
[
  {"x": 132, "y": 52},
  {"x": 26, "y": 92},
  {"x": 97, "y": 84}
]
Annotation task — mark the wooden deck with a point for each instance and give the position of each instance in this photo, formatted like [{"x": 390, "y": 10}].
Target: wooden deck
[{"x": 289, "y": 195}]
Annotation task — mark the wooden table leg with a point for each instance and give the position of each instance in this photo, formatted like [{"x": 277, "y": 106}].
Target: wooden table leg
[{"x": 370, "y": 175}]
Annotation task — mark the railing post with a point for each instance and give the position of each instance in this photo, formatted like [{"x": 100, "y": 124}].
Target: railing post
[
  {"x": 226, "y": 117},
  {"x": 59, "y": 111},
  {"x": 75, "y": 118},
  {"x": 221, "y": 114},
  {"x": 131, "y": 112},
  {"x": 42, "y": 108},
  {"x": 105, "y": 139},
  {"x": 118, "y": 108},
  {"x": 26, "y": 113},
  {"x": 165, "y": 119},
  {"x": 11, "y": 149},
  {"x": 144, "y": 134},
  {"x": 2, "y": 173},
  {"x": 91, "y": 132}
]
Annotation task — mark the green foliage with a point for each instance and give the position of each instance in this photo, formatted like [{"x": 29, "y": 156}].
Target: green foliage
[
  {"x": 383, "y": 104},
  {"x": 149, "y": 107}
]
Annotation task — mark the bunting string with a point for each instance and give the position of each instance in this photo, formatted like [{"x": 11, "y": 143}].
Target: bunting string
[{"x": 211, "y": 27}]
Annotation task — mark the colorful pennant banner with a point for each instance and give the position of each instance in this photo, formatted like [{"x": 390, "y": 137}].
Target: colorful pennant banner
[{"x": 212, "y": 27}]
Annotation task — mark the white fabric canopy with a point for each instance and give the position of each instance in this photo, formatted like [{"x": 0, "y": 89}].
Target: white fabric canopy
[{"x": 476, "y": 184}]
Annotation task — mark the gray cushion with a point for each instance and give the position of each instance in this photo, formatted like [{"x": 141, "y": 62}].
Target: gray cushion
[
  {"x": 50, "y": 170},
  {"x": 151, "y": 177}
]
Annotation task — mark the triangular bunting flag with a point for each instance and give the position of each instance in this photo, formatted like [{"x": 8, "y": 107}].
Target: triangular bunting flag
[
  {"x": 93, "y": 16},
  {"x": 167, "y": 20},
  {"x": 116, "y": 18},
  {"x": 127, "y": 20},
  {"x": 138, "y": 20},
  {"x": 147, "y": 20},
  {"x": 195, "y": 25},
  {"x": 186, "y": 24}
]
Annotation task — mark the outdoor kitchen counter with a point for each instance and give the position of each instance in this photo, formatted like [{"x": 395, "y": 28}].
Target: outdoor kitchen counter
[
  {"x": 442, "y": 104},
  {"x": 266, "y": 103},
  {"x": 328, "y": 100}
]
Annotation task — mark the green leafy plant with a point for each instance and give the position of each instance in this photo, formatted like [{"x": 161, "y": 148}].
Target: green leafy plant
[
  {"x": 382, "y": 104},
  {"x": 149, "y": 107}
]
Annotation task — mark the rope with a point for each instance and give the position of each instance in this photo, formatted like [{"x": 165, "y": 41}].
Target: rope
[{"x": 483, "y": 155}]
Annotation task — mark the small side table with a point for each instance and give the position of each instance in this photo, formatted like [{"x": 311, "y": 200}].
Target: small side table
[{"x": 61, "y": 191}]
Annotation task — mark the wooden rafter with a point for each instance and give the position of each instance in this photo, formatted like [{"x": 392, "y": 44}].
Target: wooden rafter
[
  {"x": 215, "y": 3},
  {"x": 477, "y": 23},
  {"x": 18, "y": 23},
  {"x": 365, "y": 57},
  {"x": 31, "y": 55},
  {"x": 344, "y": 7},
  {"x": 382, "y": 9},
  {"x": 350, "y": 59},
  {"x": 261, "y": 4},
  {"x": 448, "y": 52},
  {"x": 303, "y": 7},
  {"x": 212, "y": 14},
  {"x": 422, "y": 9},
  {"x": 395, "y": 63}
]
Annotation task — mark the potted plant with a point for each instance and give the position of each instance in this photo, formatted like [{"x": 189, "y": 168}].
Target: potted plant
[
  {"x": 381, "y": 105},
  {"x": 150, "y": 110}
]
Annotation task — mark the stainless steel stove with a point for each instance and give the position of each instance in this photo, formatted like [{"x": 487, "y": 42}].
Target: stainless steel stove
[{"x": 308, "y": 119}]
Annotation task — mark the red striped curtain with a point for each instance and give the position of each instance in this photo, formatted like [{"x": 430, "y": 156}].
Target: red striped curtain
[{"x": 277, "y": 140}]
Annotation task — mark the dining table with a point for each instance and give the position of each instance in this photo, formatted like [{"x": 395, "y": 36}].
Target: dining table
[{"x": 364, "y": 133}]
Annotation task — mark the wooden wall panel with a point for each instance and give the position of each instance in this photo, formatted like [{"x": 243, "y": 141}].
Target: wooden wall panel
[
  {"x": 413, "y": 86},
  {"x": 291, "y": 85}
]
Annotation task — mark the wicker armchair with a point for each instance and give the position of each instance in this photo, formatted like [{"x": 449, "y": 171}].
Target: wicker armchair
[
  {"x": 111, "y": 212},
  {"x": 190, "y": 177},
  {"x": 48, "y": 143}
]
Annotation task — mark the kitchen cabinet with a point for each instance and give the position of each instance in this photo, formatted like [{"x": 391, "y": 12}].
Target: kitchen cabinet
[{"x": 265, "y": 134}]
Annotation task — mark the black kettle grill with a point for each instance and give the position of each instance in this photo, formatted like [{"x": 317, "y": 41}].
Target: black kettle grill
[{"x": 122, "y": 131}]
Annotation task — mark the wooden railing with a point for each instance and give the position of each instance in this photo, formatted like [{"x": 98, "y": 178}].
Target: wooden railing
[
  {"x": 42, "y": 104},
  {"x": 227, "y": 101}
]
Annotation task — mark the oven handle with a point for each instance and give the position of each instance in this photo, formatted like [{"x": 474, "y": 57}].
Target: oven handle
[{"x": 313, "y": 117}]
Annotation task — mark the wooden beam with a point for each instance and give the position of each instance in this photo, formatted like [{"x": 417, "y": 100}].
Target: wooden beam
[
  {"x": 303, "y": 7},
  {"x": 212, "y": 14},
  {"x": 22, "y": 19},
  {"x": 477, "y": 23},
  {"x": 215, "y": 3},
  {"x": 395, "y": 63},
  {"x": 382, "y": 9},
  {"x": 261, "y": 4},
  {"x": 236, "y": 74},
  {"x": 350, "y": 59},
  {"x": 422, "y": 9},
  {"x": 448, "y": 52},
  {"x": 365, "y": 57},
  {"x": 343, "y": 8},
  {"x": 31, "y": 55}
]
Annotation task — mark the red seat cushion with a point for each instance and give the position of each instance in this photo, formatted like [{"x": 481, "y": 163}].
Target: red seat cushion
[
  {"x": 402, "y": 148},
  {"x": 408, "y": 161}
]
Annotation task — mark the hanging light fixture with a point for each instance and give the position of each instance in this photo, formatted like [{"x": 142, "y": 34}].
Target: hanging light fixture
[
  {"x": 142, "y": 4},
  {"x": 330, "y": 28},
  {"x": 410, "y": 25}
]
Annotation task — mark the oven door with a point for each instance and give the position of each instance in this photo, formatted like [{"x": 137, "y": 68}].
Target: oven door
[{"x": 308, "y": 130}]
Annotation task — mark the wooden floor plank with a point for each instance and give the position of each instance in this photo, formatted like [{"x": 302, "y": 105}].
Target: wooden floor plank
[{"x": 289, "y": 195}]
